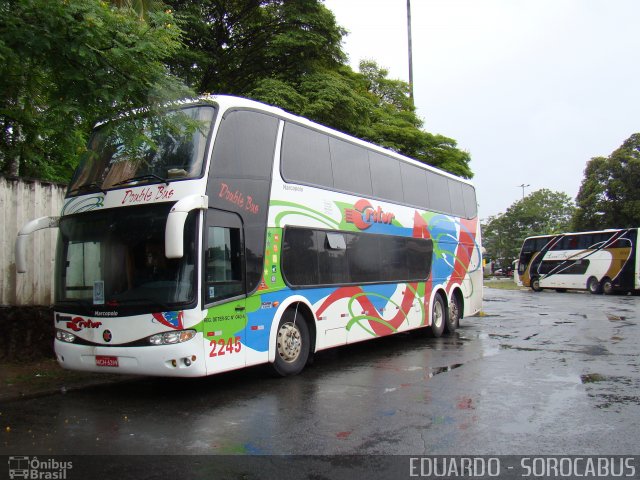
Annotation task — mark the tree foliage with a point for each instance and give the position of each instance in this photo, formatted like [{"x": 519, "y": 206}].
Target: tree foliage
[
  {"x": 67, "y": 63},
  {"x": 609, "y": 196},
  {"x": 539, "y": 213}
]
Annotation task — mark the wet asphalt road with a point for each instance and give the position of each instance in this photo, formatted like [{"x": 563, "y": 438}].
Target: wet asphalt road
[{"x": 538, "y": 373}]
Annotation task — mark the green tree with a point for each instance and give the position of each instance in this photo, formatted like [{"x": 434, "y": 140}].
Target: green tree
[
  {"x": 288, "y": 54},
  {"x": 64, "y": 64},
  {"x": 609, "y": 196},
  {"x": 395, "y": 125},
  {"x": 231, "y": 45},
  {"x": 539, "y": 213}
]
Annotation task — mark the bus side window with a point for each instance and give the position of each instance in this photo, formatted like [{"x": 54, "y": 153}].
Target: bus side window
[{"x": 223, "y": 264}]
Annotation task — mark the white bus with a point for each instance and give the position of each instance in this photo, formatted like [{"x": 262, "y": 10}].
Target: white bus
[
  {"x": 254, "y": 237},
  {"x": 602, "y": 262}
]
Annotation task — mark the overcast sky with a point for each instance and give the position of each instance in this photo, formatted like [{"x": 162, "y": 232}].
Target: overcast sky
[{"x": 532, "y": 89}]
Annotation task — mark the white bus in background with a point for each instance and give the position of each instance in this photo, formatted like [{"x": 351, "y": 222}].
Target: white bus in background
[
  {"x": 227, "y": 233},
  {"x": 604, "y": 261}
]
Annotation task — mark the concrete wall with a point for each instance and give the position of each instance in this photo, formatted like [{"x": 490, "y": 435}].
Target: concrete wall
[{"x": 20, "y": 201}]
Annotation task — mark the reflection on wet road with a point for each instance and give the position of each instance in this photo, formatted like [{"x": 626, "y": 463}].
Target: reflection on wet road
[{"x": 536, "y": 373}]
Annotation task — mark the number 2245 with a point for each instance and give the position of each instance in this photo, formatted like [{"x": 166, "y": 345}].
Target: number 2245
[{"x": 222, "y": 346}]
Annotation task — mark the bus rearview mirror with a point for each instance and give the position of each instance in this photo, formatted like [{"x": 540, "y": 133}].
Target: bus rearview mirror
[{"x": 174, "y": 232}]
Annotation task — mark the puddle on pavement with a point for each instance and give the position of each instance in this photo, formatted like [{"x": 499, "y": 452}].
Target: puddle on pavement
[{"x": 438, "y": 370}]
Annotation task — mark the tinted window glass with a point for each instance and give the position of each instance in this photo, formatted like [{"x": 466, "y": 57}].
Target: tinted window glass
[
  {"x": 414, "y": 184},
  {"x": 385, "y": 177},
  {"x": 350, "y": 164},
  {"x": 306, "y": 157},
  {"x": 394, "y": 257},
  {"x": 300, "y": 256},
  {"x": 363, "y": 257},
  {"x": 457, "y": 201},
  {"x": 419, "y": 256},
  {"x": 333, "y": 268},
  {"x": 223, "y": 264},
  {"x": 243, "y": 139},
  {"x": 171, "y": 146},
  {"x": 438, "y": 187},
  {"x": 470, "y": 203},
  {"x": 317, "y": 257}
]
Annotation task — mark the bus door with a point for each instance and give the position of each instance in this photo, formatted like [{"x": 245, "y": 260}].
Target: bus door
[{"x": 224, "y": 291}]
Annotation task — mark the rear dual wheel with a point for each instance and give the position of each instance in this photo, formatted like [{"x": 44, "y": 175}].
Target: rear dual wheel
[
  {"x": 593, "y": 285},
  {"x": 453, "y": 319}
]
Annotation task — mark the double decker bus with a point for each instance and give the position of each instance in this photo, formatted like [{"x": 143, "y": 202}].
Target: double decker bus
[
  {"x": 226, "y": 233},
  {"x": 603, "y": 261}
]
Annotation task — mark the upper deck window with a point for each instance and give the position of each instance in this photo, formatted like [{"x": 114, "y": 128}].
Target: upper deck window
[{"x": 142, "y": 149}]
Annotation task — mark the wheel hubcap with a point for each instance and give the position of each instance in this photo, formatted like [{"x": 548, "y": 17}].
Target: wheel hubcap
[
  {"x": 289, "y": 342},
  {"x": 453, "y": 312},
  {"x": 437, "y": 314}
]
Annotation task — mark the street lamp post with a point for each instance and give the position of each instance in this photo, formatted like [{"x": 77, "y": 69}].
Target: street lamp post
[
  {"x": 410, "y": 50},
  {"x": 523, "y": 186}
]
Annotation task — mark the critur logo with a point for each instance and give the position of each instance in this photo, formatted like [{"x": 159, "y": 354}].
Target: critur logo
[
  {"x": 77, "y": 323},
  {"x": 363, "y": 215}
]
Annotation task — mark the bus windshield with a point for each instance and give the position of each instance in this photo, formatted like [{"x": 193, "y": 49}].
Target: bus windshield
[
  {"x": 138, "y": 149},
  {"x": 110, "y": 261}
]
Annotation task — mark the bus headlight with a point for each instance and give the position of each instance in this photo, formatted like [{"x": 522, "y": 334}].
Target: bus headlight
[
  {"x": 65, "y": 336},
  {"x": 170, "y": 338}
]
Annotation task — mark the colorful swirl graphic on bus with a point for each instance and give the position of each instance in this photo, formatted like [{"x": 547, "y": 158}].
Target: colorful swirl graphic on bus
[{"x": 367, "y": 316}]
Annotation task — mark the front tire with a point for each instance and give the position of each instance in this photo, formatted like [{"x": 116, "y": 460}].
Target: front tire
[
  {"x": 438, "y": 316},
  {"x": 293, "y": 343}
]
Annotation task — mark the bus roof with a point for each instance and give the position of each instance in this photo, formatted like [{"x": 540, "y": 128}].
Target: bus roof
[{"x": 228, "y": 102}]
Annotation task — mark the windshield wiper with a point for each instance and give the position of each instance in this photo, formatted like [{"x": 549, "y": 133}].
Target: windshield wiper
[
  {"x": 148, "y": 176},
  {"x": 88, "y": 187}
]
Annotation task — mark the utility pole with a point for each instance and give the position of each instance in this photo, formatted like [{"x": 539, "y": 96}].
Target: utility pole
[
  {"x": 410, "y": 50},
  {"x": 523, "y": 186}
]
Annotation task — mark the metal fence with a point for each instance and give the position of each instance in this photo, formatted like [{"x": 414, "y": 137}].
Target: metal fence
[{"x": 21, "y": 201}]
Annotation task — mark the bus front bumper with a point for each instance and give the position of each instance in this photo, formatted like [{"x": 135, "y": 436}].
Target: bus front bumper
[{"x": 180, "y": 360}]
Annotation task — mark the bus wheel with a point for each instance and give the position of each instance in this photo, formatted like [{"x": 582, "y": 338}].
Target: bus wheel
[
  {"x": 607, "y": 286},
  {"x": 535, "y": 284},
  {"x": 438, "y": 316},
  {"x": 292, "y": 344},
  {"x": 453, "y": 319},
  {"x": 593, "y": 285}
]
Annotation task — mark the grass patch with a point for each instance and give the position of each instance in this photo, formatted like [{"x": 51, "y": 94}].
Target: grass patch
[{"x": 505, "y": 284}]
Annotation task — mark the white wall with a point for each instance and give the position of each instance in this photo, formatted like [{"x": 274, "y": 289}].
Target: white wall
[{"x": 21, "y": 201}]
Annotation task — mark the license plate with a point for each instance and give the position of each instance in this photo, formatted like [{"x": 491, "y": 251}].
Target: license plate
[{"x": 106, "y": 361}]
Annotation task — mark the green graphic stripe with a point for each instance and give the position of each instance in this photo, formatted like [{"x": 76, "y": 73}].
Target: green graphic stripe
[{"x": 356, "y": 319}]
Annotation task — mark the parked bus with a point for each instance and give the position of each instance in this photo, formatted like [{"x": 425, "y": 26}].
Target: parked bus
[
  {"x": 235, "y": 234},
  {"x": 601, "y": 262}
]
